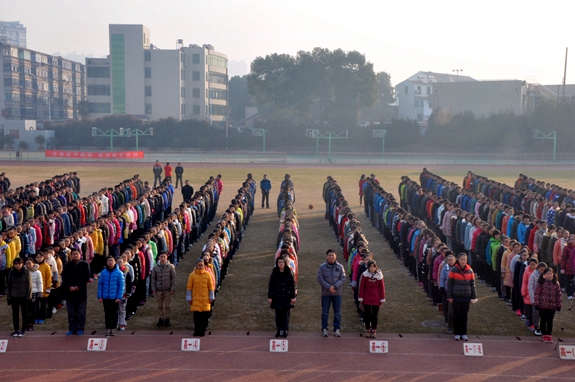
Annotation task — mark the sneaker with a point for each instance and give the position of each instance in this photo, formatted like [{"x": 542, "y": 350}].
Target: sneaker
[
  {"x": 324, "y": 332},
  {"x": 15, "y": 334},
  {"x": 457, "y": 337},
  {"x": 160, "y": 323},
  {"x": 523, "y": 317},
  {"x": 374, "y": 334},
  {"x": 21, "y": 333},
  {"x": 54, "y": 310},
  {"x": 70, "y": 333},
  {"x": 570, "y": 297},
  {"x": 518, "y": 312},
  {"x": 509, "y": 303},
  {"x": 493, "y": 289},
  {"x": 532, "y": 328},
  {"x": 80, "y": 332},
  {"x": 337, "y": 333},
  {"x": 108, "y": 332},
  {"x": 112, "y": 332},
  {"x": 278, "y": 332},
  {"x": 550, "y": 339},
  {"x": 449, "y": 331},
  {"x": 544, "y": 338},
  {"x": 41, "y": 322},
  {"x": 537, "y": 332},
  {"x": 30, "y": 328},
  {"x": 167, "y": 323},
  {"x": 36, "y": 321},
  {"x": 464, "y": 338},
  {"x": 122, "y": 328}
]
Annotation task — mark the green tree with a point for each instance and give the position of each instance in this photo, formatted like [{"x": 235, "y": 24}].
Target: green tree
[
  {"x": 8, "y": 141},
  {"x": 22, "y": 145},
  {"x": 40, "y": 141},
  {"x": 239, "y": 98},
  {"x": 52, "y": 143}
]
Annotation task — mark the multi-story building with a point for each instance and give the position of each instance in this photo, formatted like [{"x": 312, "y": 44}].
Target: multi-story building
[
  {"x": 39, "y": 86},
  {"x": 139, "y": 79},
  {"x": 13, "y": 33}
]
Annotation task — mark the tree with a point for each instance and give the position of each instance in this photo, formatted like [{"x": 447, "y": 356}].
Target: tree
[
  {"x": 239, "y": 98},
  {"x": 52, "y": 143},
  {"x": 271, "y": 80},
  {"x": 83, "y": 108},
  {"x": 23, "y": 145},
  {"x": 40, "y": 141}
]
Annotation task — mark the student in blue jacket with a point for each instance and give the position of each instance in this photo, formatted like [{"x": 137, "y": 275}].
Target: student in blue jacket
[{"x": 110, "y": 292}]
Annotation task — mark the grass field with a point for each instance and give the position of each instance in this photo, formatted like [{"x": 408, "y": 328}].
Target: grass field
[{"x": 242, "y": 302}]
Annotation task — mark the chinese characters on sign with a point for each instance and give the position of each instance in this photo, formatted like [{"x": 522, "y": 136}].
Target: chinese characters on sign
[
  {"x": 473, "y": 349},
  {"x": 190, "y": 344},
  {"x": 567, "y": 351},
  {"x": 67, "y": 154},
  {"x": 97, "y": 344},
  {"x": 279, "y": 346},
  {"x": 378, "y": 347},
  {"x": 3, "y": 346}
]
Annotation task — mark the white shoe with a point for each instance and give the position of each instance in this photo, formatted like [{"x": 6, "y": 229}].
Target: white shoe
[
  {"x": 54, "y": 310},
  {"x": 464, "y": 338},
  {"x": 337, "y": 333},
  {"x": 457, "y": 337},
  {"x": 324, "y": 332},
  {"x": 570, "y": 297}
]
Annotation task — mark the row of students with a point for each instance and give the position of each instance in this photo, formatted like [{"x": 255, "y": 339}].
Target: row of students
[
  {"x": 282, "y": 287},
  {"x": 366, "y": 279}
]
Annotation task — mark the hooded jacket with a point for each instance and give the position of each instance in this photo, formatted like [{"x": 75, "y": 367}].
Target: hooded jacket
[
  {"x": 461, "y": 283},
  {"x": 371, "y": 288},
  {"x": 200, "y": 291}
]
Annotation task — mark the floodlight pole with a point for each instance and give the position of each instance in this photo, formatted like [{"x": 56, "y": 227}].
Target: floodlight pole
[
  {"x": 328, "y": 135},
  {"x": 108, "y": 133},
  {"x": 138, "y": 132},
  {"x": 552, "y": 135}
]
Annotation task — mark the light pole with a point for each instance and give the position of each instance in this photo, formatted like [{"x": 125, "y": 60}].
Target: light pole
[
  {"x": 552, "y": 135},
  {"x": 108, "y": 133},
  {"x": 260, "y": 133},
  {"x": 138, "y": 132},
  {"x": 457, "y": 75},
  {"x": 380, "y": 134},
  {"x": 315, "y": 133}
]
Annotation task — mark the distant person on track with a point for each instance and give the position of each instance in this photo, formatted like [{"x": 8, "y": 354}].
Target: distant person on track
[
  {"x": 168, "y": 172},
  {"x": 371, "y": 297},
  {"x": 200, "y": 294},
  {"x": 157, "y": 169},
  {"x": 179, "y": 172},
  {"x": 331, "y": 276},
  {"x": 362, "y": 181},
  {"x": 265, "y": 186},
  {"x": 281, "y": 295},
  {"x": 187, "y": 191},
  {"x": 460, "y": 293}
]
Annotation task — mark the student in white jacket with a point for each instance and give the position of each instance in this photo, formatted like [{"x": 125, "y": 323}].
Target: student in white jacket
[{"x": 37, "y": 287}]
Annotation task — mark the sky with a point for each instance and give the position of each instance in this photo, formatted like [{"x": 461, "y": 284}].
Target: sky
[{"x": 488, "y": 40}]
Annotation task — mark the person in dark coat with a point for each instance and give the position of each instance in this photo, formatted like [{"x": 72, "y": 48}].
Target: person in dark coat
[
  {"x": 75, "y": 278},
  {"x": 187, "y": 191},
  {"x": 179, "y": 173},
  {"x": 460, "y": 293},
  {"x": 281, "y": 295},
  {"x": 19, "y": 294}
]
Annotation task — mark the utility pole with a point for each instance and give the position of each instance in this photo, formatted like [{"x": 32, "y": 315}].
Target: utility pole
[{"x": 565, "y": 74}]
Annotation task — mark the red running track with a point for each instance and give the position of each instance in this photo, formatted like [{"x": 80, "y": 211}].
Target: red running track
[{"x": 156, "y": 356}]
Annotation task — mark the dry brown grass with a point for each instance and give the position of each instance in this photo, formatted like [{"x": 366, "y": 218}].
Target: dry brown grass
[{"x": 242, "y": 302}]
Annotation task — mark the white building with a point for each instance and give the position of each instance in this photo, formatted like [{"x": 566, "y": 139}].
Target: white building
[
  {"x": 25, "y": 131},
  {"x": 13, "y": 33},
  {"x": 140, "y": 79}
]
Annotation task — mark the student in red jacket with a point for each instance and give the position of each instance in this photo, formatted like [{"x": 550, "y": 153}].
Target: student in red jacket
[
  {"x": 371, "y": 296},
  {"x": 547, "y": 301}
]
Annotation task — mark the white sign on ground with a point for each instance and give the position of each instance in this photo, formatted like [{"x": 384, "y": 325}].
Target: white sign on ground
[
  {"x": 378, "y": 347},
  {"x": 190, "y": 344},
  {"x": 97, "y": 344},
  {"x": 3, "y": 346},
  {"x": 279, "y": 346},
  {"x": 471, "y": 349},
  {"x": 567, "y": 351}
]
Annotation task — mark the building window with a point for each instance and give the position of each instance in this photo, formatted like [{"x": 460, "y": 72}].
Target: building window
[
  {"x": 148, "y": 108},
  {"x": 195, "y": 76},
  {"x": 118, "y": 73},
  {"x": 183, "y": 74},
  {"x": 15, "y": 133},
  {"x": 100, "y": 107},
  {"x": 218, "y": 61},
  {"x": 217, "y": 94},
  {"x": 183, "y": 109},
  {"x": 429, "y": 90},
  {"x": 102, "y": 90},
  {"x": 183, "y": 92},
  {"x": 147, "y": 55},
  {"x": 196, "y": 92},
  {"x": 406, "y": 90},
  {"x": 196, "y": 110},
  {"x": 195, "y": 58},
  {"x": 418, "y": 91},
  {"x": 219, "y": 110},
  {"x": 148, "y": 92},
  {"x": 148, "y": 72},
  {"x": 218, "y": 78}
]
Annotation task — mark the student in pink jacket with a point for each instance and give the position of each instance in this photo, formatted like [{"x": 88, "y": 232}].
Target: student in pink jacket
[{"x": 371, "y": 296}]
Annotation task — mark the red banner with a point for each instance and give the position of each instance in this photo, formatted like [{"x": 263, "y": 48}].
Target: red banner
[{"x": 67, "y": 154}]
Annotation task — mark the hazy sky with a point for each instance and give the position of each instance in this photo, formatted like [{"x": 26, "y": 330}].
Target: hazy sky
[{"x": 504, "y": 39}]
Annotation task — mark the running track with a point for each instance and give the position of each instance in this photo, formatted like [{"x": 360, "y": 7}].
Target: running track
[{"x": 154, "y": 356}]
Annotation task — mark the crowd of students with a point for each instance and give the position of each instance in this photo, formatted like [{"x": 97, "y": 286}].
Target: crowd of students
[
  {"x": 366, "y": 279},
  {"x": 121, "y": 229},
  {"x": 435, "y": 218},
  {"x": 282, "y": 287}
]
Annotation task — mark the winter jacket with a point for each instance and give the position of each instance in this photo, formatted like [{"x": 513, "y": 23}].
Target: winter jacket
[
  {"x": 111, "y": 284},
  {"x": 566, "y": 259},
  {"x": 331, "y": 275},
  {"x": 548, "y": 295},
  {"x": 19, "y": 284},
  {"x": 164, "y": 277},
  {"x": 461, "y": 283},
  {"x": 532, "y": 284},
  {"x": 36, "y": 278},
  {"x": 371, "y": 288},
  {"x": 46, "y": 278},
  {"x": 281, "y": 288},
  {"x": 525, "y": 286},
  {"x": 5, "y": 255},
  {"x": 200, "y": 291},
  {"x": 76, "y": 274}
]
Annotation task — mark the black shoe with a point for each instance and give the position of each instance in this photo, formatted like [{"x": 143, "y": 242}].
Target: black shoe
[
  {"x": 285, "y": 334},
  {"x": 167, "y": 323},
  {"x": 278, "y": 334},
  {"x": 160, "y": 323}
]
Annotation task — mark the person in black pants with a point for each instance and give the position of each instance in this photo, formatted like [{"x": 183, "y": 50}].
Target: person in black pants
[
  {"x": 75, "y": 277},
  {"x": 179, "y": 172},
  {"x": 461, "y": 292},
  {"x": 281, "y": 295},
  {"x": 19, "y": 293}
]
